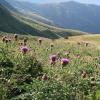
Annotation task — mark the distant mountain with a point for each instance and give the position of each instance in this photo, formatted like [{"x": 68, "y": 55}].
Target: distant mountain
[
  {"x": 15, "y": 23},
  {"x": 10, "y": 24},
  {"x": 28, "y": 13},
  {"x": 73, "y": 15}
]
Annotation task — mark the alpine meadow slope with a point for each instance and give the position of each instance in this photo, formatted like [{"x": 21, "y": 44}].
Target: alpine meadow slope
[
  {"x": 12, "y": 22},
  {"x": 86, "y": 16}
]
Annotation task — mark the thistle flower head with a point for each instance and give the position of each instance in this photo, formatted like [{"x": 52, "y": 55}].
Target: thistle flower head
[
  {"x": 53, "y": 57},
  {"x": 51, "y": 45},
  {"x": 15, "y": 37},
  {"x": 40, "y": 41},
  {"x": 24, "y": 49},
  {"x": 4, "y": 38},
  {"x": 64, "y": 61},
  {"x": 25, "y": 40}
]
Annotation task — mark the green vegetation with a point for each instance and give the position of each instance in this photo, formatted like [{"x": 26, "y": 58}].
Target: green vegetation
[
  {"x": 16, "y": 23},
  {"x": 71, "y": 14},
  {"x": 10, "y": 24},
  {"x": 29, "y": 75},
  {"x": 46, "y": 68}
]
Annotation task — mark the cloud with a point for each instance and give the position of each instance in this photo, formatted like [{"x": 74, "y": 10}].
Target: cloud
[{"x": 53, "y": 1}]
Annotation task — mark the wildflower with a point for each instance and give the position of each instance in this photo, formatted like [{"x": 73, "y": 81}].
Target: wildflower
[
  {"x": 40, "y": 41},
  {"x": 93, "y": 81},
  {"x": 79, "y": 43},
  {"x": 9, "y": 40},
  {"x": 84, "y": 74},
  {"x": 6, "y": 41},
  {"x": 24, "y": 43},
  {"x": 51, "y": 45},
  {"x": 47, "y": 49},
  {"x": 20, "y": 43},
  {"x": 59, "y": 55},
  {"x": 86, "y": 44},
  {"x": 15, "y": 37},
  {"x": 44, "y": 77},
  {"x": 64, "y": 61},
  {"x": 24, "y": 49},
  {"x": 4, "y": 38},
  {"x": 25, "y": 40},
  {"x": 93, "y": 78},
  {"x": 53, "y": 58}
]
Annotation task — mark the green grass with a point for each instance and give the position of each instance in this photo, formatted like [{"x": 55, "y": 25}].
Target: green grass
[{"x": 21, "y": 75}]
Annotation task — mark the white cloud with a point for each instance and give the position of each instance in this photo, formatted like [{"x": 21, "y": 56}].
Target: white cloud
[{"x": 52, "y": 1}]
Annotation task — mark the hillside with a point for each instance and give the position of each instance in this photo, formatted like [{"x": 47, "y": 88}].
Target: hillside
[
  {"x": 11, "y": 24},
  {"x": 94, "y": 39},
  {"x": 16, "y": 23},
  {"x": 36, "y": 17},
  {"x": 71, "y": 15},
  {"x": 50, "y": 70},
  {"x": 32, "y": 15}
]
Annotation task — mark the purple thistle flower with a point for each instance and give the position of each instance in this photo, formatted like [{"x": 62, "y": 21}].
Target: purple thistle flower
[
  {"x": 53, "y": 57},
  {"x": 64, "y": 61},
  {"x": 24, "y": 49}
]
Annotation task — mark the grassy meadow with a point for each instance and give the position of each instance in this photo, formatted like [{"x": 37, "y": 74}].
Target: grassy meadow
[{"x": 32, "y": 73}]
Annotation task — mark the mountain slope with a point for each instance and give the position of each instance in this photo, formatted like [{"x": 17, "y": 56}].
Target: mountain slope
[
  {"x": 32, "y": 15},
  {"x": 72, "y": 14},
  {"x": 16, "y": 23},
  {"x": 10, "y": 24}
]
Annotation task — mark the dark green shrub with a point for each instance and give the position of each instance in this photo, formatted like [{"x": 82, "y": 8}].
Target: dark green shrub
[{"x": 6, "y": 62}]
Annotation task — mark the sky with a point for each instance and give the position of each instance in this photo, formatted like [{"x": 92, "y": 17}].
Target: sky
[{"x": 54, "y": 1}]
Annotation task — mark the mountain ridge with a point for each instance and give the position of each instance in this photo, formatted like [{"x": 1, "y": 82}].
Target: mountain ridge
[
  {"x": 71, "y": 15},
  {"x": 16, "y": 23}
]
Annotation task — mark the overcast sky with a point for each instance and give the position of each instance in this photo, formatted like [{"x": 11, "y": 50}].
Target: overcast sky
[{"x": 53, "y": 1}]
